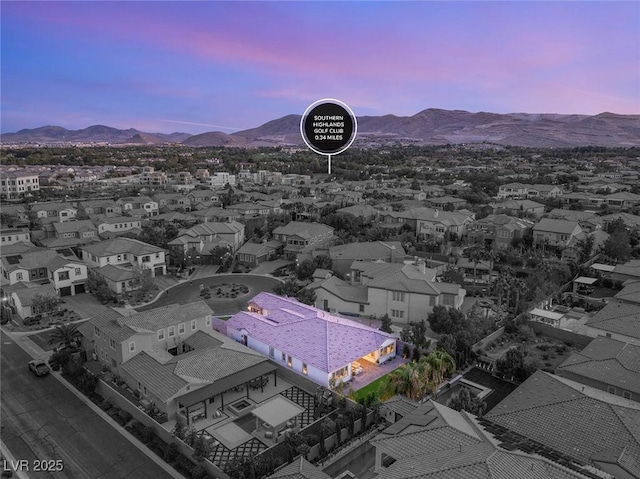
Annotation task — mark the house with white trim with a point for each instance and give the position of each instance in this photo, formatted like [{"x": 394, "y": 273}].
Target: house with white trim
[{"x": 307, "y": 340}]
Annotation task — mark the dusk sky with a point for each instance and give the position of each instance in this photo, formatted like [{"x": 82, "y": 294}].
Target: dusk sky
[{"x": 227, "y": 66}]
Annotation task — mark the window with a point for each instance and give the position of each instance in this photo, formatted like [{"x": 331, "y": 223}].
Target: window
[
  {"x": 157, "y": 255},
  {"x": 626, "y": 394},
  {"x": 63, "y": 275},
  {"x": 96, "y": 331},
  {"x": 172, "y": 331},
  {"x": 112, "y": 343},
  {"x": 208, "y": 321},
  {"x": 132, "y": 346},
  {"x": 611, "y": 389},
  {"x": 386, "y": 350},
  {"x": 289, "y": 361},
  {"x": 193, "y": 325},
  {"x": 19, "y": 276},
  {"x": 181, "y": 328},
  {"x": 284, "y": 357},
  {"x": 396, "y": 313},
  {"x": 304, "y": 369},
  {"x": 78, "y": 271},
  {"x": 271, "y": 352},
  {"x": 340, "y": 373},
  {"x": 361, "y": 308},
  {"x": 161, "y": 335},
  {"x": 397, "y": 296}
]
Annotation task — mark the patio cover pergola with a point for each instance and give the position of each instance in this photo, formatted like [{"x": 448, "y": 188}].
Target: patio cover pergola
[
  {"x": 226, "y": 383},
  {"x": 274, "y": 414}
]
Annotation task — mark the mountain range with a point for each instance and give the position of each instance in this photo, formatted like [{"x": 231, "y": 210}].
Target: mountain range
[{"x": 429, "y": 127}]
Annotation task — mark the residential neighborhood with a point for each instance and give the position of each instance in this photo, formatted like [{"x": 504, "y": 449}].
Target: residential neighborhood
[{"x": 450, "y": 319}]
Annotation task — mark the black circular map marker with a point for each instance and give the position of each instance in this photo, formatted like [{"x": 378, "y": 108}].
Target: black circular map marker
[{"x": 328, "y": 127}]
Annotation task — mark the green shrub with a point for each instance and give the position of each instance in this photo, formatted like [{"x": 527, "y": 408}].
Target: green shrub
[
  {"x": 198, "y": 472},
  {"x": 125, "y": 416},
  {"x": 170, "y": 452},
  {"x": 148, "y": 433}
]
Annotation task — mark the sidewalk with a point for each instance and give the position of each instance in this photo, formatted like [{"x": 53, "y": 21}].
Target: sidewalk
[{"x": 37, "y": 352}]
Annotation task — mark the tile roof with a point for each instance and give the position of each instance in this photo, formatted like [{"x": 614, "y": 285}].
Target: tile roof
[
  {"x": 621, "y": 318},
  {"x": 159, "y": 378},
  {"x": 74, "y": 226},
  {"x": 32, "y": 290},
  {"x": 608, "y": 361},
  {"x": 342, "y": 289},
  {"x": 302, "y": 229},
  {"x": 556, "y": 226},
  {"x": 367, "y": 250},
  {"x": 315, "y": 337},
  {"x": 29, "y": 260},
  {"x": 299, "y": 469},
  {"x": 567, "y": 416},
  {"x": 437, "y": 442},
  {"x": 630, "y": 293},
  {"x": 116, "y": 273},
  {"x": 400, "y": 405},
  {"x": 121, "y": 245},
  {"x": 171, "y": 315}
]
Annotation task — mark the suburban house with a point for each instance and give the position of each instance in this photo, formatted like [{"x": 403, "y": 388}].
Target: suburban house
[
  {"x": 69, "y": 234},
  {"x": 543, "y": 191},
  {"x": 404, "y": 292},
  {"x": 109, "y": 227},
  {"x": 14, "y": 235},
  {"x": 572, "y": 252},
  {"x": 302, "y": 238},
  {"x": 17, "y": 215},
  {"x": 343, "y": 256},
  {"x": 558, "y": 414},
  {"x": 517, "y": 207},
  {"x": 173, "y": 358},
  {"x": 554, "y": 233},
  {"x": 616, "y": 320},
  {"x": 203, "y": 196},
  {"x": 364, "y": 214},
  {"x": 23, "y": 298},
  {"x": 432, "y": 440},
  {"x": 67, "y": 276},
  {"x": 214, "y": 213},
  {"x": 307, "y": 340},
  {"x": 622, "y": 200},
  {"x": 250, "y": 209},
  {"x": 587, "y": 220},
  {"x": 255, "y": 253},
  {"x": 120, "y": 261},
  {"x": 142, "y": 206},
  {"x": 512, "y": 190},
  {"x": 99, "y": 207},
  {"x": 607, "y": 364},
  {"x": 448, "y": 203},
  {"x": 172, "y": 201},
  {"x": 54, "y": 212},
  {"x": 627, "y": 271},
  {"x": 14, "y": 184},
  {"x": 30, "y": 265},
  {"x": 498, "y": 231}
]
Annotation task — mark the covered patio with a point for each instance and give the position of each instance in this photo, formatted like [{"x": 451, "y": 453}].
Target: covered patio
[
  {"x": 277, "y": 417},
  {"x": 208, "y": 404}
]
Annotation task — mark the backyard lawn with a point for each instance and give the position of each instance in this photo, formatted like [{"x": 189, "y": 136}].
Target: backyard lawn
[{"x": 362, "y": 393}]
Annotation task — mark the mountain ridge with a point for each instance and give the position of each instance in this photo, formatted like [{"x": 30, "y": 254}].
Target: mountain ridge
[{"x": 432, "y": 126}]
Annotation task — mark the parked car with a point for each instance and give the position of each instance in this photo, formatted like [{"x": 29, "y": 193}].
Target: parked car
[{"x": 39, "y": 367}]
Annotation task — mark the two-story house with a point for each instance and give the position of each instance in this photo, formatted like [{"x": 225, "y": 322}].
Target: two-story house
[
  {"x": 173, "y": 358},
  {"x": 301, "y": 238},
  {"x": 67, "y": 276},
  {"x": 172, "y": 201},
  {"x": 54, "y": 212},
  {"x": 99, "y": 207},
  {"x": 498, "y": 231},
  {"x": 554, "y": 233},
  {"x": 14, "y": 184},
  {"x": 30, "y": 265},
  {"x": 119, "y": 260},
  {"x": 517, "y": 207},
  {"x": 109, "y": 227},
  {"x": 405, "y": 292},
  {"x": 512, "y": 190},
  {"x": 142, "y": 206},
  {"x": 71, "y": 234},
  {"x": 14, "y": 235}
]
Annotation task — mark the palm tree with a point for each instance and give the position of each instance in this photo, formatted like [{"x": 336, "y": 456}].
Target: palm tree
[
  {"x": 477, "y": 255},
  {"x": 441, "y": 364},
  {"x": 65, "y": 334}
]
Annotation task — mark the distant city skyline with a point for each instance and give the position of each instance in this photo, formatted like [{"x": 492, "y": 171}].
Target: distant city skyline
[{"x": 227, "y": 66}]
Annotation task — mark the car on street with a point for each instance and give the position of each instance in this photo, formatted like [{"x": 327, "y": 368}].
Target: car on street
[{"x": 39, "y": 367}]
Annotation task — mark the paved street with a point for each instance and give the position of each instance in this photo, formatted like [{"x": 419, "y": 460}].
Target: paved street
[
  {"x": 189, "y": 291},
  {"x": 41, "y": 419}
]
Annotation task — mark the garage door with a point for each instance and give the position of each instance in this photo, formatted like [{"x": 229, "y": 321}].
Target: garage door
[
  {"x": 65, "y": 291},
  {"x": 79, "y": 288},
  {"x": 158, "y": 271}
]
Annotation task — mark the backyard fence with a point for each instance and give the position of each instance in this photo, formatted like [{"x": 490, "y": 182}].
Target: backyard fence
[
  {"x": 107, "y": 392},
  {"x": 486, "y": 340},
  {"x": 560, "y": 334}
]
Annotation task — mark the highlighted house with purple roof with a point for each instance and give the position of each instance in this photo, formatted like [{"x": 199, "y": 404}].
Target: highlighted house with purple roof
[{"x": 307, "y": 340}]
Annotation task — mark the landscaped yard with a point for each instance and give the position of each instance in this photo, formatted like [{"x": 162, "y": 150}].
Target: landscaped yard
[{"x": 373, "y": 387}]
